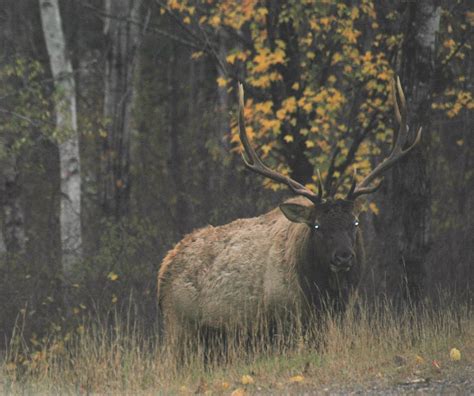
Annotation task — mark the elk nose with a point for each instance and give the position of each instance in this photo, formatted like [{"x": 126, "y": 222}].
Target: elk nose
[{"x": 343, "y": 257}]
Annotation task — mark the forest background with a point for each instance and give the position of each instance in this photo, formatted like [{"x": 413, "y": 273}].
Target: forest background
[{"x": 118, "y": 137}]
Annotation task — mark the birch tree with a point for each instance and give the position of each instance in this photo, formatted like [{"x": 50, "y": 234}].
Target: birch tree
[
  {"x": 67, "y": 137},
  {"x": 405, "y": 214},
  {"x": 418, "y": 71}
]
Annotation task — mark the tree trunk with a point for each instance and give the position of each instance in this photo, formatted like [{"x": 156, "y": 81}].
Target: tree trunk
[
  {"x": 176, "y": 154},
  {"x": 14, "y": 239},
  {"x": 406, "y": 216},
  {"x": 67, "y": 136},
  {"x": 217, "y": 146},
  {"x": 223, "y": 103},
  {"x": 411, "y": 178},
  {"x": 122, "y": 39},
  {"x": 3, "y": 247}
]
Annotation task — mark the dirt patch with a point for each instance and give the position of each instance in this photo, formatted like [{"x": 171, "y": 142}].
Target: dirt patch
[{"x": 459, "y": 381}]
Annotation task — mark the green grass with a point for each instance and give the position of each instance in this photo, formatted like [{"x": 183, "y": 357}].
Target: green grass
[{"x": 386, "y": 347}]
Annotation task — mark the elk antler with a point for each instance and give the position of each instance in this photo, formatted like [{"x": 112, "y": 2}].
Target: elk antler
[
  {"x": 255, "y": 164},
  {"x": 399, "y": 140}
]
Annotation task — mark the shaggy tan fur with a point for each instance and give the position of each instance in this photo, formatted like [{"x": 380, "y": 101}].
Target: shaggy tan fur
[{"x": 232, "y": 274}]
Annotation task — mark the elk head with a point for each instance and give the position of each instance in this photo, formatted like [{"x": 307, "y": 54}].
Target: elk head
[{"x": 333, "y": 222}]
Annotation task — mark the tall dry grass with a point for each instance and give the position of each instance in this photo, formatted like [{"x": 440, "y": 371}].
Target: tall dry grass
[{"x": 376, "y": 342}]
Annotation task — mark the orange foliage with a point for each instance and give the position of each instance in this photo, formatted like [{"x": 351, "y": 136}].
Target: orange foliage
[{"x": 284, "y": 57}]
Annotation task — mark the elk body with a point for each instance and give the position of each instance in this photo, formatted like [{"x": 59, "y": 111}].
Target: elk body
[{"x": 287, "y": 262}]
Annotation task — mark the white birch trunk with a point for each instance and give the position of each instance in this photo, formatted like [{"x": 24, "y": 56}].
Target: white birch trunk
[
  {"x": 68, "y": 140},
  {"x": 405, "y": 214},
  {"x": 413, "y": 181},
  {"x": 429, "y": 28}
]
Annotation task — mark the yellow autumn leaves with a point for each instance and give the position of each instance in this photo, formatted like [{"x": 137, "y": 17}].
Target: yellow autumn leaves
[
  {"x": 455, "y": 354},
  {"x": 304, "y": 81},
  {"x": 265, "y": 58},
  {"x": 316, "y": 111},
  {"x": 324, "y": 102},
  {"x": 455, "y": 101},
  {"x": 247, "y": 384},
  {"x": 296, "y": 379},
  {"x": 112, "y": 276},
  {"x": 249, "y": 380}
]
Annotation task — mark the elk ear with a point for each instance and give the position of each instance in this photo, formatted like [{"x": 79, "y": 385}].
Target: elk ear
[{"x": 298, "y": 213}]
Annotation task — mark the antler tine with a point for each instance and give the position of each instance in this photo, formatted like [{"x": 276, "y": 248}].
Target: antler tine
[
  {"x": 397, "y": 152},
  {"x": 320, "y": 186},
  {"x": 395, "y": 87},
  {"x": 254, "y": 163},
  {"x": 364, "y": 190}
]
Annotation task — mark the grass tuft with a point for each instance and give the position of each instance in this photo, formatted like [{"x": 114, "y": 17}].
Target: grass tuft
[{"x": 376, "y": 343}]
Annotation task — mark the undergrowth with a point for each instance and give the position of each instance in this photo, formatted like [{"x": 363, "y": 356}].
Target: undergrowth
[{"x": 368, "y": 343}]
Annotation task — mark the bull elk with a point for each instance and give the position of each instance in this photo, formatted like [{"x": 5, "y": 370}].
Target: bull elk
[{"x": 291, "y": 259}]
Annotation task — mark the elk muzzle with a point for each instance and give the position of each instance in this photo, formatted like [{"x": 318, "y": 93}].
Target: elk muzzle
[{"x": 342, "y": 260}]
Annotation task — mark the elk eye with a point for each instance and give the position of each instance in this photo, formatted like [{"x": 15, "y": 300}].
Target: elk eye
[
  {"x": 316, "y": 226},
  {"x": 356, "y": 223}
]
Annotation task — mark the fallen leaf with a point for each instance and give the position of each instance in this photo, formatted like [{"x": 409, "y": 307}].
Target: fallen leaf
[
  {"x": 247, "y": 380},
  {"x": 455, "y": 354},
  {"x": 436, "y": 365},
  {"x": 238, "y": 392},
  {"x": 296, "y": 379},
  {"x": 419, "y": 359},
  {"x": 224, "y": 385}
]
